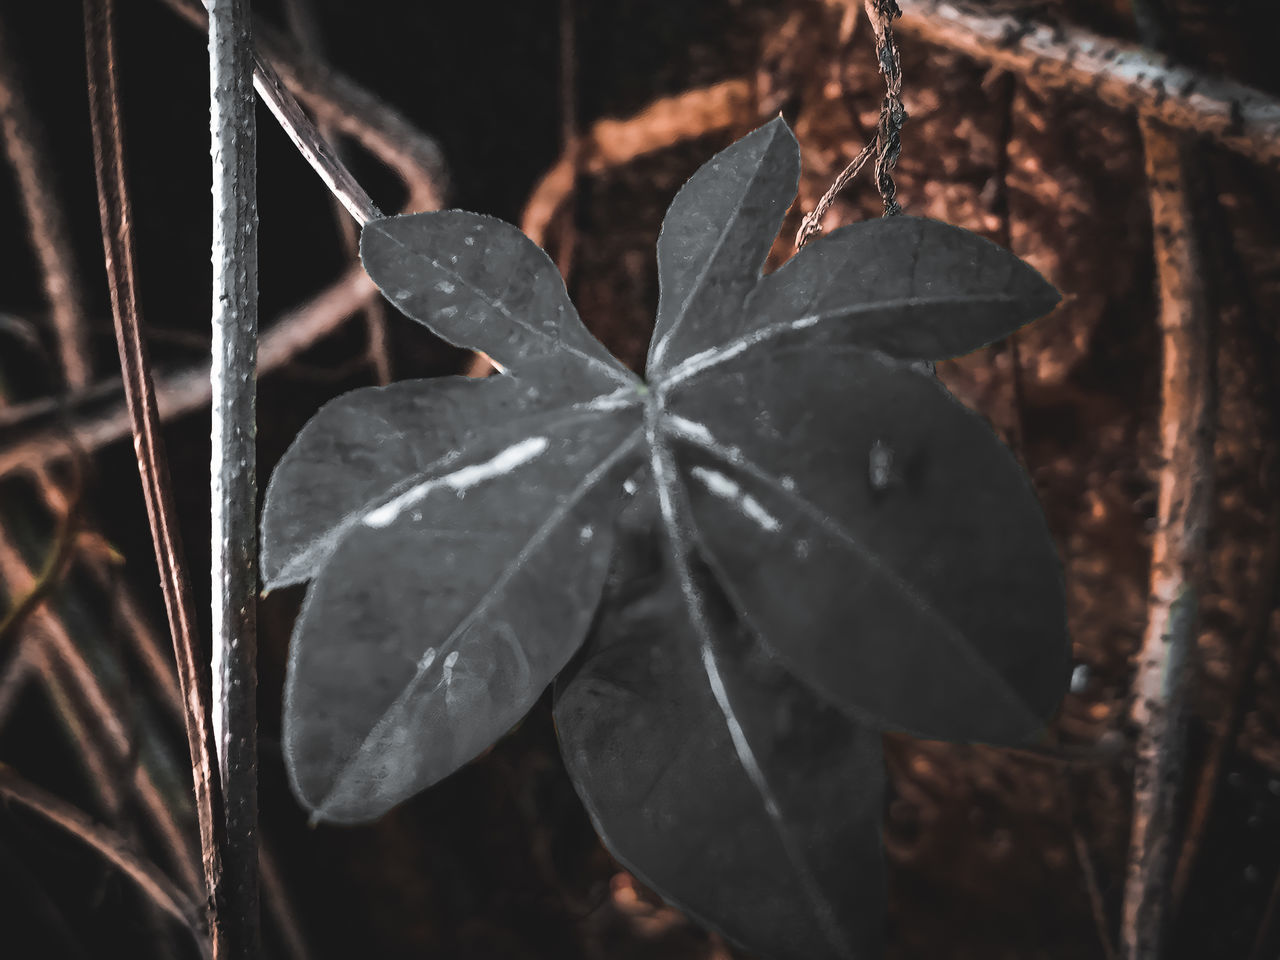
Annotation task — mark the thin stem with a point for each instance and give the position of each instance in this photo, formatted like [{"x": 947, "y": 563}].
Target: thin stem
[
  {"x": 314, "y": 148},
  {"x": 114, "y": 209},
  {"x": 157, "y": 887},
  {"x": 40, "y": 436},
  {"x": 302, "y": 23},
  {"x": 881, "y": 14},
  {"x": 45, "y": 221},
  {"x": 232, "y": 470},
  {"x": 888, "y": 143},
  {"x": 1162, "y": 684},
  {"x": 351, "y": 109},
  {"x": 811, "y": 225}
]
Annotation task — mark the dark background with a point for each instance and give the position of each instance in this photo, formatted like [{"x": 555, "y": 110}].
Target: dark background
[{"x": 988, "y": 848}]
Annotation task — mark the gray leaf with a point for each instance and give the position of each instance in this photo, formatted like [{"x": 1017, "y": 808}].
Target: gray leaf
[
  {"x": 714, "y": 241},
  {"x": 716, "y": 778},
  {"x": 480, "y": 283},
  {"x": 442, "y": 615},
  {"x": 370, "y": 445},
  {"x": 913, "y": 288},
  {"x": 880, "y": 539}
]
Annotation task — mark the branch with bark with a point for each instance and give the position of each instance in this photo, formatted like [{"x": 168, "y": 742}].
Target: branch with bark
[
  {"x": 1122, "y": 75},
  {"x": 233, "y": 483},
  {"x": 1166, "y": 660}
]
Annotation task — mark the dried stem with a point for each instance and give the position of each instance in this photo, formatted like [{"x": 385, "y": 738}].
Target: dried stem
[
  {"x": 113, "y": 204},
  {"x": 349, "y": 108},
  {"x": 888, "y": 142},
  {"x": 314, "y": 148},
  {"x": 38, "y": 438},
  {"x": 306, "y": 30},
  {"x": 157, "y": 887},
  {"x": 86, "y": 705},
  {"x": 1162, "y": 685},
  {"x": 46, "y": 222},
  {"x": 881, "y": 14},
  {"x": 811, "y": 226},
  {"x": 1062, "y": 57},
  {"x": 52, "y": 571},
  {"x": 233, "y": 468}
]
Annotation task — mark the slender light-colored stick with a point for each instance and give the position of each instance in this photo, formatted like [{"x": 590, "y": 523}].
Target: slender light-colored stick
[
  {"x": 117, "y": 236},
  {"x": 232, "y": 471},
  {"x": 1166, "y": 661}
]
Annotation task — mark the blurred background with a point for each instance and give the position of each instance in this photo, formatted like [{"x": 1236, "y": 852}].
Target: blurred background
[{"x": 993, "y": 853}]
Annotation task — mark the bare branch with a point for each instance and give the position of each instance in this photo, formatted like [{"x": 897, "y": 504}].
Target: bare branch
[
  {"x": 114, "y": 209},
  {"x": 1162, "y": 684},
  {"x": 349, "y": 108},
  {"x": 46, "y": 222},
  {"x": 36, "y": 437},
  {"x": 157, "y": 887},
  {"x": 1122, "y": 75}
]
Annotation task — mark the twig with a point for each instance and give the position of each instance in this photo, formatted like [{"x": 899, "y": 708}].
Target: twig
[
  {"x": 1162, "y": 685},
  {"x": 46, "y": 222},
  {"x": 38, "y": 438},
  {"x": 881, "y": 14},
  {"x": 313, "y": 147},
  {"x": 55, "y": 565},
  {"x": 349, "y": 108},
  {"x": 113, "y": 204},
  {"x": 888, "y": 143},
  {"x": 154, "y": 884},
  {"x": 306, "y": 30},
  {"x": 1232, "y": 276},
  {"x": 60, "y": 663},
  {"x": 1097, "y": 908},
  {"x": 233, "y": 480},
  {"x": 811, "y": 225},
  {"x": 1121, "y": 75}
]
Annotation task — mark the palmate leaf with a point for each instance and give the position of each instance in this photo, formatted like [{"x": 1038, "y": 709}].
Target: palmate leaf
[
  {"x": 821, "y": 543},
  {"x": 747, "y": 802}
]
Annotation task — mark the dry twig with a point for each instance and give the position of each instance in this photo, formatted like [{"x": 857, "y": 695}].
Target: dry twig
[
  {"x": 306, "y": 30},
  {"x": 37, "y": 438},
  {"x": 1121, "y": 75},
  {"x": 887, "y": 145},
  {"x": 347, "y": 107},
  {"x": 157, "y": 887},
  {"x": 1161, "y": 685},
  {"x": 113, "y": 203},
  {"x": 45, "y": 221}
]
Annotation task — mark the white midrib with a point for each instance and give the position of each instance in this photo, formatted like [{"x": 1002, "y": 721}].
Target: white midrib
[
  {"x": 536, "y": 539},
  {"x": 308, "y": 559},
  {"x": 714, "y": 356},
  {"x": 660, "y": 348},
  {"x": 663, "y": 467},
  {"x": 733, "y": 458}
]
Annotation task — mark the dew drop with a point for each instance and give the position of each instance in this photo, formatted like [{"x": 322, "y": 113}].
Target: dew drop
[
  {"x": 1079, "y": 678},
  {"x": 880, "y": 465}
]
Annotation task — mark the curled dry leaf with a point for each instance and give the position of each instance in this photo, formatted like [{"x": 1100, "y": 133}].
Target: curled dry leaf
[{"x": 788, "y": 538}]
